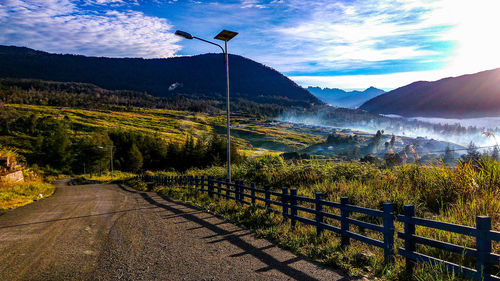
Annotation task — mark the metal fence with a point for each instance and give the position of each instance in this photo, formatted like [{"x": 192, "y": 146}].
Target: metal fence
[{"x": 290, "y": 204}]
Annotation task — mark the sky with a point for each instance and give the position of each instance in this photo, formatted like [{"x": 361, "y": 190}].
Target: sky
[{"x": 348, "y": 44}]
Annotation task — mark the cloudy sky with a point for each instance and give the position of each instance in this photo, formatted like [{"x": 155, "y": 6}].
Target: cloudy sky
[{"x": 349, "y": 44}]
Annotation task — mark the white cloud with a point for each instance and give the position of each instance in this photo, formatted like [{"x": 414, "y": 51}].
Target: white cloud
[
  {"x": 61, "y": 26},
  {"x": 337, "y": 34},
  {"x": 113, "y": 3},
  {"x": 245, "y": 4}
]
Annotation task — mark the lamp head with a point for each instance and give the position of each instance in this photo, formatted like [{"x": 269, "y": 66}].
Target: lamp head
[{"x": 184, "y": 34}]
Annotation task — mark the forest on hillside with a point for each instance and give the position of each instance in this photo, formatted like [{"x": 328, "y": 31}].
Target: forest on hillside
[
  {"x": 54, "y": 146},
  {"x": 82, "y": 95}
]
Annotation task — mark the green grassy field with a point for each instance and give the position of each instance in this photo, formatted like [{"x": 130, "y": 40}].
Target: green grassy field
[{"x": 252, "y": 136}]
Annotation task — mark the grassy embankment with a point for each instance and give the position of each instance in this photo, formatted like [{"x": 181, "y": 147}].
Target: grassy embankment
[
  {"x": 13, "y": 195},
  {"x": 20, "y": 194},
  {"x": 449, "y": 194}
]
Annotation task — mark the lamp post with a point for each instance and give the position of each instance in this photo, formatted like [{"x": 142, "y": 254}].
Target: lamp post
[
  {"x": 224, "y": 35},
  {"x": 110, "y": 159}
]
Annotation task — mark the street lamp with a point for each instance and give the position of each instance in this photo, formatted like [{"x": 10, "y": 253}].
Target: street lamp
[
  {"x": 110, "y": 159},
  {"x": 224, "y": 35}
]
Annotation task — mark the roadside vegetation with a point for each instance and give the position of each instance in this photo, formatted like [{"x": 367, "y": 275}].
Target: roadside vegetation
[
  {"x": 106, "y": 177},
  {"x": 16, "y": 194},
  {"x": 450, "y": 194},
  {"x": 13, "y": 195}
]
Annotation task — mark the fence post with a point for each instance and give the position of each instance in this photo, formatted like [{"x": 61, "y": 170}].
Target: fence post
[
  {"x": 483, "y": 246},
  {"x": 252, "y": 193},
  {"x": 267, "y": 195},
  {"x": 344, "y": 223},
  {"x": 237, "y": 191},
  {"x": 293, "y": 204},
  {"x": 388, "y": 209},
  {"x": 202, "y": 183},
  {"x": 284, "y": 201},
  {"x": 409, "y": 212},
  {"x": 319, "y": 215},
  {"x": 210, "y": 186},
  {"x": 241, "y": 190}
]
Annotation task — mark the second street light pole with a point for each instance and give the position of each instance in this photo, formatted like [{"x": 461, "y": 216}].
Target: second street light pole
[
  {"x": 224, "y": 35},
  {"x": 110, "y": 159}
]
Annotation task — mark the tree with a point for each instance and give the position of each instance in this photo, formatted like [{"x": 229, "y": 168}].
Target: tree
[
  {"x": 472, "y": 156},
  {"x": 92, "y": 154},
  {"x": 449, "y": 156},
  {"x": 54, "y": 145},
  {"x": 134, "y": 161}
]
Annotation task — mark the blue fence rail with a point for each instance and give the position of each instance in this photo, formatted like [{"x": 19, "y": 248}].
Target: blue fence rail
[{"x": 290, "y": 204}]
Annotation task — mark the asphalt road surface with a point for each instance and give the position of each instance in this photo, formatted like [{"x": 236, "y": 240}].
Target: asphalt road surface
[{"x": 107, "y": 232}]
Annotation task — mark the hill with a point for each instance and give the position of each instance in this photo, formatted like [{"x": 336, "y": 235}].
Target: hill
[
  {"x": 466, "y": 96},
  {"x": 341, "y": 98},
  {"x": 196, "y": 77}
]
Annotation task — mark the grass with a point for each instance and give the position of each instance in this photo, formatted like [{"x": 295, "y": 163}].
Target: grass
[
  {"x": 17, "y": 195},
  {"x": 103, "y": 178},
  {"x": 448, "y": 194},
  {"x": 255, "y": 136}
]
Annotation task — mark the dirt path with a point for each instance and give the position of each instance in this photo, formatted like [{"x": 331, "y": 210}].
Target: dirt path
[{"x": 104, "y": 232}]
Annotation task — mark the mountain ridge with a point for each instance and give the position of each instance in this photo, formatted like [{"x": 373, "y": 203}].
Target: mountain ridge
[
  {"x": 466, "y": 96},
  {"x": 195, "y": 77},
  {"x": 341, "y": 98}
]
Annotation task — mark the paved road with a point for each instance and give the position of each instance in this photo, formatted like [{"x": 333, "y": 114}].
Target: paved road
[{"x": 104, "y": 232}]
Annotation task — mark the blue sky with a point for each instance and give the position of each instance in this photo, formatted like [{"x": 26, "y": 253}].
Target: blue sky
[{"x": 350, "y": 44}]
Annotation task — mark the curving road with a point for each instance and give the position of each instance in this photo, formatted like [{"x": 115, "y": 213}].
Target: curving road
[{"x": 105, "y": 232}]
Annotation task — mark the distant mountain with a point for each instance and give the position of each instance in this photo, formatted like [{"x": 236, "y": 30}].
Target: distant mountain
[
  {"x": 466, "y": 96},
  {"x": 196, "y": 77},
  {"x": 341, "y": 98}
]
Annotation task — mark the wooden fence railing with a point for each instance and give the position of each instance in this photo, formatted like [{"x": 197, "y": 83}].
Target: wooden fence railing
[{"x": 290, "y": 204}]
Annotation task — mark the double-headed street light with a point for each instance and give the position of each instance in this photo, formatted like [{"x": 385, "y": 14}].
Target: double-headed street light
[{"x": 224, "y": 35}]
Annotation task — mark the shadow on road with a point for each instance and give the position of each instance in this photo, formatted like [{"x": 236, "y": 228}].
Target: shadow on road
[
  {"x": 235, "y": 239},
  {"x": 77, "y": 217}
]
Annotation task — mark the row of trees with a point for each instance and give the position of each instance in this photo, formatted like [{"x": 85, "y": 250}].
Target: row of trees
[{"x": 71, "y": 94}]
